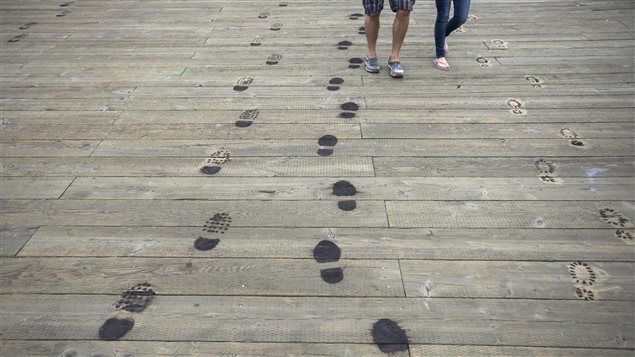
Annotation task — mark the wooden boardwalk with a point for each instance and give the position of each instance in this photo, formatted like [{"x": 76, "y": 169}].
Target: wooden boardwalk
[{"x": 221, "y": 178}]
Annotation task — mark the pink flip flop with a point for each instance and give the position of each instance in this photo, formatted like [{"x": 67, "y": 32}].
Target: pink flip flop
[{"x": 441, "y": 66}]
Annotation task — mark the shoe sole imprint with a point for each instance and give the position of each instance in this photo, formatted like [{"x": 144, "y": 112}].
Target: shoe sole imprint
[{"x": 212, "y": 165}]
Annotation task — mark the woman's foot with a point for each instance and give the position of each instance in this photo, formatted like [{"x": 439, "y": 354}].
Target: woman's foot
[{"x": 441, "y": 63}]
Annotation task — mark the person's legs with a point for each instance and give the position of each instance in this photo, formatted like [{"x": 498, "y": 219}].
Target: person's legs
[
  {"x": 440, "y": 26},
  {"x": 372, "y": 10},
  {"x": 371, "y": 24},
  {"x": 399, "y": 29},
  {"x": 461, "y": 11},
  {"x": 402, "y": 8}
]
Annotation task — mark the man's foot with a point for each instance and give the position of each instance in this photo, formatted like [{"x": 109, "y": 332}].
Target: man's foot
[
  {"x": 396, "y": 71},
  {"x": 371, "y": 65},
  {"x": 441, "y": 64}
]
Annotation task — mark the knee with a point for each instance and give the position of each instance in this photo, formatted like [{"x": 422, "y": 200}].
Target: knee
[
  {"x": 403, "y": 14},
  {"x": 460, "y": 19}
]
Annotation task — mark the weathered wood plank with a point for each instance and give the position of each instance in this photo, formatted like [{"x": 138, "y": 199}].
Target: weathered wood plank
[
  {"x": 179, "y": 131},
  {"x": 400, "y": 188},
  {"x": 504, "y": 214},
  {"x": 163, "y": 213},
  {"x": 528, "y": 323},
  {"x": 469, "y": 131},
  {"x": 47, "y": 148},
  {"x": 371, "y": 147},
  {"x": 519, "y": 280},
  {"x": 381, "y": 116},
  {"x": 33, "y": 187},
  {"x": 57, "y": 117},
  {"x": 357, "y": 243},
  {"x": 198, "y": 349},
  {"x": 13, "y": 238},
  {"x": 187, "y": 166},
  {"x": 170, "y": 276},
  {"x": 562, "y": 167},
  {"x": 441, "y": 351}
]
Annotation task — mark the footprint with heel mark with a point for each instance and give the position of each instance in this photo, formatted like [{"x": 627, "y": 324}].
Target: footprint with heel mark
[
  {"x": 218, "y": 224},
  {"x": 242, "y": 84},
  {"x": 326, "y": 143},
  {"x": 257, "y": 41},
  {"x": 27, "y": 26},
  {"x": 134, "y": 300},
  {"x": 18, "y": 38},
  {"x": 483, "y": 62},
  {"x": 355, "y": 63},
  {"x": 615, "y": 218},
  {"x": 247, "y": 118},
  {"x": 327, "y": 252},
  {"x": 534, "y": 81},
  {"x": 273, "y": 59},
  {"x": 345, "y": 188},
  {"x": 516, "y": 107},
  {"x": 212, "y": 165},
  {"x": 349, "y": 109},
  {"x": 344, "y": 45},
  {"x": 546, "y": 171},
  {"x": 570, "y": 134},
  {"x": 334, "y": 84}
]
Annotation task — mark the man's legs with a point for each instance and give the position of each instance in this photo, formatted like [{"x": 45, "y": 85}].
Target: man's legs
[
  {"x": 399, "y": 29},
  {"x": 372, "y": 32}
]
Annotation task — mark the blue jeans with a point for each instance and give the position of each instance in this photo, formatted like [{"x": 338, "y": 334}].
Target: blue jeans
[{"x": 443, "y": 26}]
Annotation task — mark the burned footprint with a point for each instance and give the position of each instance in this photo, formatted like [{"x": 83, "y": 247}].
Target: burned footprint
[
  {"x": 355, "y": 63},
  {"x": 63, "y": 13},
  {"x": 326, "y": 143},
  {"x": 356, "y": 16},
  {"x": 361, "y": 30},
  {"x": 264, "y": 15},
  {"x": 344, "y": 45},
  {"x": 212, "y": 165},
  {"x": 219, "y": 223},
  {"x": 614, "y": 218},
  {"x": 247, "y": 118},
  {"x": 17, "y": 38},
  {"x": 135, "y": 299},
  {"x": 345, "y": 188},
  {"x": 582, "y": 273},
  {"x": 242, "y": 84},
  {"x": 571, "y": 134},
  {"x": 327, "y": 252},
  {"x": 115, "y": 328},
  {"x": 257, "y": 41},
  {"x": 349, "y": 110},
  {"x": 334, "y": 84},
  {"x": 273, "y": 59},
  {"x": 27, "y": 26},
  {"x": 389, "y": 337},
  {"x": 276, "y": 27}
]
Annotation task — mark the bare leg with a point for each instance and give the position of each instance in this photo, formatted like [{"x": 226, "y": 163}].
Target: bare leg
[
  {"x": 372, "y": 32},
  {"x": 399, "y": 29}
]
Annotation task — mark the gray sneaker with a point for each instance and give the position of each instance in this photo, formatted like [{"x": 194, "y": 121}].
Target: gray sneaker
[
  {"x": 396, "y": 70},
  {"x": 371, "y": 65}
]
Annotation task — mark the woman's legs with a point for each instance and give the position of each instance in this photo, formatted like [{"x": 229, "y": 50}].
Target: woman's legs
[
  {"x": 440, "y": 26},
  {"x": 461, "y": 10}
]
